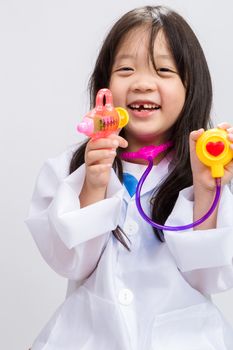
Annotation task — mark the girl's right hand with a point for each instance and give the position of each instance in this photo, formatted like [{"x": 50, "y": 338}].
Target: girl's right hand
[{"x": 99, "y": 157}]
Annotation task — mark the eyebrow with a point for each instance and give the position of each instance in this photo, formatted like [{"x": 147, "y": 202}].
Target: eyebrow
[
  {"x": 123, "y": 56},
  {"x": 167, "y": 57}
]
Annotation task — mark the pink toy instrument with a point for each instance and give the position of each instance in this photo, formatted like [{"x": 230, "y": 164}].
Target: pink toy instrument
[{"x": 104, "y": 119}]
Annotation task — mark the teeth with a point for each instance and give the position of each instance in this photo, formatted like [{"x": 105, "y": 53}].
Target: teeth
[
  {"x": 145, "y": 106},
  {"x": 148, "y": 106}
]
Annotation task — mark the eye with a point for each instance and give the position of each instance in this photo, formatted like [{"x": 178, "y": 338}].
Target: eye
[
  {"x": 165, "y": 70},
  {"x": 124, "y": 69}
]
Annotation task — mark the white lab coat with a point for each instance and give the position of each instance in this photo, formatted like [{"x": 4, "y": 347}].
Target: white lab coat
[{"x": 155, "y": 297}]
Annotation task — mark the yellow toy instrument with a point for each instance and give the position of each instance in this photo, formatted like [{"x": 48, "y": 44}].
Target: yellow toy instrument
[{"x": 213, "y": 149}]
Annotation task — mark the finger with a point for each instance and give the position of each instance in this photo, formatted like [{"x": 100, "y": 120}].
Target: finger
[
  {"x": 193, "y": 137},
  {"x": 230, "y": 137},
  {"x": 229, "y": 167},
  {"x": 102, "y": 143},
  {"x": 230, "y": 134},
  {"x": 112, "y": 141},
  {"x": 230, "y": 130},
  {"x": 97, "y": 156},
  {"x": 122, "y": 142},
  {"x": 223, "y": 125},
  {"x": 98, "y": 169},
  {"x": 228, "y": 172}
]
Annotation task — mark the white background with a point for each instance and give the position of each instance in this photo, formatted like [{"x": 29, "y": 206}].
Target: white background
[{"x": 47, "y": 52}]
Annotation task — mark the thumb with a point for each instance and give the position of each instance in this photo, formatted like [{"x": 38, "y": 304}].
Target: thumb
[{"x": 193, "y": 137}]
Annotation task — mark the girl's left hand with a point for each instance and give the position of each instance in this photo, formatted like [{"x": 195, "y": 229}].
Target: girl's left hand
[{"x": 201, "y": 173}]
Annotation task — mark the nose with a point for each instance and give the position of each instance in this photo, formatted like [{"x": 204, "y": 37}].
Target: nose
[{"x": 144, "y": 83}]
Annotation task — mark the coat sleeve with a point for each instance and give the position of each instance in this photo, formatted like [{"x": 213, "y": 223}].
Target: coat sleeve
[
  {"x": 204, "y": 257},
  {"x": 71, "y": 239}
]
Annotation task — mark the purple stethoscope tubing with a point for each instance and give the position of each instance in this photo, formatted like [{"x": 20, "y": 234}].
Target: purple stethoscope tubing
[{"x": 173, "y": 228}]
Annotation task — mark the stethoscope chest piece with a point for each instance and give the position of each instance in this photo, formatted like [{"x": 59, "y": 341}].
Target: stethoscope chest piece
[{"x": 213, "y": 149}]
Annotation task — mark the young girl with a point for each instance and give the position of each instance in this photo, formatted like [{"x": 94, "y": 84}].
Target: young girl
[{"x": 132, "y": 287}]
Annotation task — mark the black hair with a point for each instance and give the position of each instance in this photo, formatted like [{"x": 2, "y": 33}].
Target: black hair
[{"x": 193, "y": 70}]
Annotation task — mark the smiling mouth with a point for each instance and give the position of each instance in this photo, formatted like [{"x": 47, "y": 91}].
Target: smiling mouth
[{"x": 144, "y": 107}]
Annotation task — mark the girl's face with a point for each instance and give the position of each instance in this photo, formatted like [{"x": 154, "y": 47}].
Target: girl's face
[{"x": 153, "y": 98}]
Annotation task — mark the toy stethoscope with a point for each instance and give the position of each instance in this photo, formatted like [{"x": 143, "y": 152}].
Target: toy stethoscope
[{"x": 212, "y": 147}]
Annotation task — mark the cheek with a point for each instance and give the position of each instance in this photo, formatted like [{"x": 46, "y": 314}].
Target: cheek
[
  {"x": 114, "y": 86},
  {"x": 175, "y": 95},
  {"x": 118, "y": 89},
  {"x": 114, "y": 92},
  {"x": 111, "y": 85}
]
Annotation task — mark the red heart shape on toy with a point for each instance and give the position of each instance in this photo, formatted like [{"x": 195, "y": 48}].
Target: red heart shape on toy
[{"x": 215, "y": 148}]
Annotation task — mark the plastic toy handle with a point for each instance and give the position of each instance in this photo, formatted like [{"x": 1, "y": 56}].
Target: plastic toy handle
[
  {"x": 213, "y": 149},
  {"x": 104, "y": 119}
]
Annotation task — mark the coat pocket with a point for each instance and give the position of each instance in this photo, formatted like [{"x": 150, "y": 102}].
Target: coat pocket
[
  {"x": 84, "y": 321},
  {"x": 197, "y": 327}
]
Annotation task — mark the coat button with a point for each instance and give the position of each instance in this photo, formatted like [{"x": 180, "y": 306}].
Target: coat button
[
  {"x": 130, "y": 227},
  {"x": 125, "y": 296}
]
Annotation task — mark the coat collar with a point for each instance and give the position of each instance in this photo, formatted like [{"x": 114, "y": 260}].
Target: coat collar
[{"x": 157, "y": 174}]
